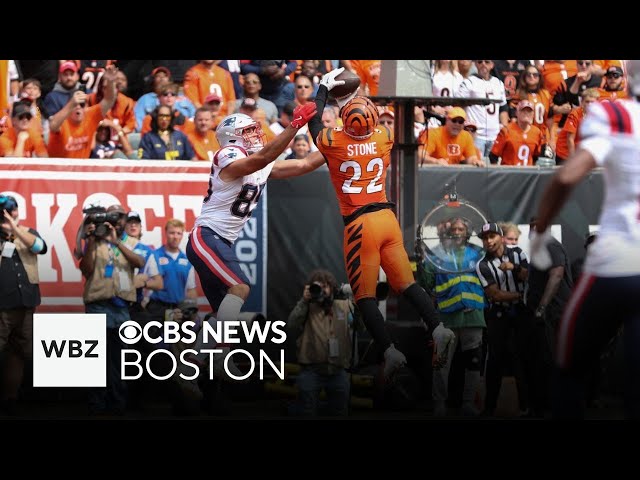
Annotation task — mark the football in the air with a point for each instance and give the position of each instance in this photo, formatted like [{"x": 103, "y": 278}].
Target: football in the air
[{"x": 351, "y": 83}]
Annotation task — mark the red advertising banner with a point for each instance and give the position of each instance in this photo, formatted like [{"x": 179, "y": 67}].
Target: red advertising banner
[{"x": 51, "y": 194}]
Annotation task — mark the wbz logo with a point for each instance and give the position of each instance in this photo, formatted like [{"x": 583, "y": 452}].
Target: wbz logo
[
  {"x": 74, "y": 348},
  {"x": 69, "y": 350}
]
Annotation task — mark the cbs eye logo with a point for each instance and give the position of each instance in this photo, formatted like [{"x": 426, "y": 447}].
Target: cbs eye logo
[{"x": 130, "y": 332}]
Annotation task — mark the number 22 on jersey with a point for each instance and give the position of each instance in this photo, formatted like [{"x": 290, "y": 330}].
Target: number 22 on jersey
[{"x": 375, "y": 165}]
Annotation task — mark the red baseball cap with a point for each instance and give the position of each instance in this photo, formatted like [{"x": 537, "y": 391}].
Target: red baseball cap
[
  {"x": 161, "y": 69},
  {"x": 522, "y": 104},
  {"x": 212, "y": 97},
  {"x": 68, "y": 65}
]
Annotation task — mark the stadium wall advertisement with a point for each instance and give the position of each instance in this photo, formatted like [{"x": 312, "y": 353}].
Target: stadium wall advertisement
[
  {"x": 304, "y": 224},
  {"x": 52, "y": 193}
]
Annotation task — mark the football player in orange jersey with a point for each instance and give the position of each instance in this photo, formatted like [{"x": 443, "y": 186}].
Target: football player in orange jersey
[{"x": 358, "y": 155}]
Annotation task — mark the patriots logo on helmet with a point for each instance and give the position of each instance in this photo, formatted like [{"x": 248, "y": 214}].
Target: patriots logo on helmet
[{"x": 229, "y": 122}]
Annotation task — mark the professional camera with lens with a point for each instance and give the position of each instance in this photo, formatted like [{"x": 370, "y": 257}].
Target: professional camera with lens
[
  {"x": 100, "y": 217},
  {"x": 316, "y": 290},
  {"x": 342, "y": 292}
]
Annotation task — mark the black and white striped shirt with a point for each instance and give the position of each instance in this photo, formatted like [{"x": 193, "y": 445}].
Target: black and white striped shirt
[{"x": 489, "y": 272}]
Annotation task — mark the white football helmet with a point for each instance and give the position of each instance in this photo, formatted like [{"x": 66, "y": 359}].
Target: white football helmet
[{"x": 242, "y": 131}]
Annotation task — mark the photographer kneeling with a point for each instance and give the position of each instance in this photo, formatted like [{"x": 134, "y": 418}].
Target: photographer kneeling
[
  {"x": 108, "y": 265},
  {"x": 322, "y": 322}
]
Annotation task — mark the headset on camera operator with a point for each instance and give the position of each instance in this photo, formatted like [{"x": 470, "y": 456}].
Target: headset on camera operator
[
  {"x": 108, "y": 265},
  {"x": 322, "y": 318},
  {"x": 19, "y": 295}
]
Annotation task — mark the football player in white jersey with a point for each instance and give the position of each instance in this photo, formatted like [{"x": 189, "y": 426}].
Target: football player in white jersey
[
  {"x": 239, "y": 173},
  {"x": 606, "y": 294}
]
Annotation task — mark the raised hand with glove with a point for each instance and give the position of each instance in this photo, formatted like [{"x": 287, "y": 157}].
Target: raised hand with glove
[
  {"x": 329, "y": 81},
  {"x": 302, "y": 114}
]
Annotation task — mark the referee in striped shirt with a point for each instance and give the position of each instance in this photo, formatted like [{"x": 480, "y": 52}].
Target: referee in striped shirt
[{"x": 503, "y": 273}]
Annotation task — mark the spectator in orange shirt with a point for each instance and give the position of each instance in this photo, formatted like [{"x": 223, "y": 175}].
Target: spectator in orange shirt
[
  {"x": 31, "y": 92},
  {"x": 203, "y": 138},
  {"x": 449, "y": 144},
  {"x": 369, "y": 73},
  {"x": 73, "y": 128},
  {"x": 568, "y": 138},
  {"x": 213, "y": 104},
  {"x": 20, "y": 140},
  {"x": 122, "y": 112},
  {"x": 519, "y": 143},
  {"x": 207, "y": 77},
  {"x": 613, "y": 85}
]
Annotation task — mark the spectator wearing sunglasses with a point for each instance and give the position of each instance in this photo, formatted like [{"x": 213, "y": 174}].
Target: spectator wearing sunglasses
[
  {"x": 74, "y": 127},
  {"x": 488, "y": 118},
  {"x": 149, "y": 101},
  {"x": 449, "y": 144},
  {"x": 168, "y": 97},
  {"x": 19, "y": 140},
  {"x": 251, "y": 89},
  {"x": 573, "y": 86},
  {"x": 613, "y": 85}
]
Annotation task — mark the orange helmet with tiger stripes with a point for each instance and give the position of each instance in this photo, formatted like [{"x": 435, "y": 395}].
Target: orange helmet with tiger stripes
[{"x": 359, "y": 118}]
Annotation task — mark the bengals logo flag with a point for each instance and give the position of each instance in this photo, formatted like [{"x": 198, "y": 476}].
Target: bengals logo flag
[{"x": 453, "y": 149}]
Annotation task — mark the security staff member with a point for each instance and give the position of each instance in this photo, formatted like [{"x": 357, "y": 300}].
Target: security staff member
[
  {"x": 177, "y": 273},
  {"x": 460, "y": 302}
]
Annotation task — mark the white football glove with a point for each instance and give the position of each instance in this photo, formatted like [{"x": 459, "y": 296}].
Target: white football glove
[
  {"x": 329, "y": 79},
  {"x": 540, "y": 257},
  {"x": 442, "y": 339}
]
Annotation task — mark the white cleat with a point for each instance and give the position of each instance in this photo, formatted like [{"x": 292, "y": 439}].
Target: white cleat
[
  {"x": 442, "y": 339},
  {"x": 394, "y": 359}
]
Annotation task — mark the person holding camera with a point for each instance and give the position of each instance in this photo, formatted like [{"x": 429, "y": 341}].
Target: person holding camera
[
  {"x": 19, "y": 295},
  {"x": 322, "y": 322},
  {"x": 108, "y": 265}
]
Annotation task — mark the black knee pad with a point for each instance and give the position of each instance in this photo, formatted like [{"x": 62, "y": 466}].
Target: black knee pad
[{"x": 473, "y": 359}]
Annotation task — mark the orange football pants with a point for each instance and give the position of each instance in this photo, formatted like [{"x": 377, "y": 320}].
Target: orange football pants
[{"x": 371, "y": 241}]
